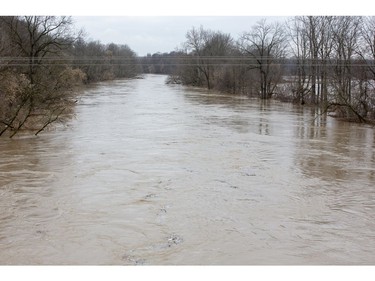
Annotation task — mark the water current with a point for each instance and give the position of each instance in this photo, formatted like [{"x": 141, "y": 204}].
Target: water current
[{"x": 153, "y": 174}]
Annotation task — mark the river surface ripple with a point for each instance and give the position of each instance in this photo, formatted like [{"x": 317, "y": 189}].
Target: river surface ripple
[{"x": 149, "y": 173}]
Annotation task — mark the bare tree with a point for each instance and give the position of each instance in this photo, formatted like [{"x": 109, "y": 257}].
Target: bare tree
[
  {"x": 196, "y": 40},
  {"x": 265, "y": 46},
  {"x": 312, "y": 24},
  {"x": 367, "y": 54},
  {"x": 346, "y": 35},
  {"x": 299, "y": 48},
  {"x": 38, "y": 57},
  {"x": 367, "y": 50},
  {"x": 36, "y": 37},
  {"x": 326, "y": 46},
  {"x": 344, "y": 84},
  {"x": 209, "y": 48}
]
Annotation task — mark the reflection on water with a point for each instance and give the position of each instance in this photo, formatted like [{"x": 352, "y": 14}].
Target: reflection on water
[{"x": 149, "y": 173}]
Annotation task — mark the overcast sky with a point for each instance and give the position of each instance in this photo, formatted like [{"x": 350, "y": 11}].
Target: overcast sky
[
  {"x": 161, "y": 33},
  {"x": 150, "y": 26}
]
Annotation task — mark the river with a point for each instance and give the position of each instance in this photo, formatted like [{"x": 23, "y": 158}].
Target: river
[{"x": 154, "y": 174}]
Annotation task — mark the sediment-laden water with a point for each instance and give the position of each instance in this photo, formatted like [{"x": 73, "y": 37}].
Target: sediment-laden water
[{"x": 155, "y": 174}]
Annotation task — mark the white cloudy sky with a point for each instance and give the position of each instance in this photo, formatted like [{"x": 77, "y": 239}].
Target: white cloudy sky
[
  {"x": 158, "y": 34},
  {"x": 149, "y": 26}
]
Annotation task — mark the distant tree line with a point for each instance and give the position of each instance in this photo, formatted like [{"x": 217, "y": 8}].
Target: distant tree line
[
  {"x": 102, "y": 62},
  {"x": 161, "y": 63},
  {"x": 322, "y": 60},
  {"x": 42, "y": 61}
]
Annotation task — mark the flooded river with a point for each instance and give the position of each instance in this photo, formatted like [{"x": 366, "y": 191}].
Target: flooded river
[{"x": 155, "y": 174}]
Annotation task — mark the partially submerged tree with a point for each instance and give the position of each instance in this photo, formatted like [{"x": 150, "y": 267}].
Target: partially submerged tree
[
  {"x": 298, "y": 47},
  {"x": 344, "y": 81},
  {"x": 208, "y": 49},
  {"x": 311, "y": 44},
  {"x": 264, "y": 46}
]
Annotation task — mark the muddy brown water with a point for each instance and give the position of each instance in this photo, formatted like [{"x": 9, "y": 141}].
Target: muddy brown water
[{"x": 154, "y": 174}]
